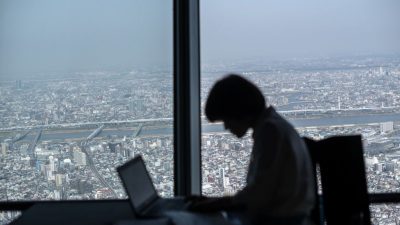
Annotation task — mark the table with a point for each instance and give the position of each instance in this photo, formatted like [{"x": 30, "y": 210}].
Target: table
[{"x": 76, "y": 213}]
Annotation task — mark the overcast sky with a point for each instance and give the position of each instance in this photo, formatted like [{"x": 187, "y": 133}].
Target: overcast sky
[
  {"x": 73, "y": 35},
  {"x": 234, "y": 29}
]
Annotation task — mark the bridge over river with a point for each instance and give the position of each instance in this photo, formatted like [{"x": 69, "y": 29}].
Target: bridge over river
[{"x": 142, "y": 130}]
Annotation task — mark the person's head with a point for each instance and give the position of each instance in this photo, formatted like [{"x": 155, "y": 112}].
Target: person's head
[{"x": 236, "y": 102}]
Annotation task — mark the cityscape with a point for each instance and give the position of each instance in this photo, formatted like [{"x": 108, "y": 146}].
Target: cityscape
[{"x": 62, "y": 138}]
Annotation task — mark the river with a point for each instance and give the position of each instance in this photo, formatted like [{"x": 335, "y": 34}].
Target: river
[{"x": 316, "y": 122}]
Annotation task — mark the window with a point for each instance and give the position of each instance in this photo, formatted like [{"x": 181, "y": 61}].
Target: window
[
  {"x": 385, "y": 213},
  {"x": 329, "y": 68},
  {"x": 102, "y": 73},
  {"x": 84, "y": 86}
]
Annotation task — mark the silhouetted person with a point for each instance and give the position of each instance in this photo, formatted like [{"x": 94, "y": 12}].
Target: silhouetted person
[{"x": 280, "y": 182}]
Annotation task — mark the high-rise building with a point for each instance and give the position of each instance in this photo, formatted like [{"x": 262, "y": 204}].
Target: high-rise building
[
  {"x": 57, "y": 195},
  {"x": 131, "y": 153},
  {"x": 52, "y": 164},
  {"x": 59, "y": 180},
  {"x": 386, "y": 127},
  {"x": 49, "y": 173},
  {"x": 79, "y": 157},
  {"x": 4, "y": 148}
]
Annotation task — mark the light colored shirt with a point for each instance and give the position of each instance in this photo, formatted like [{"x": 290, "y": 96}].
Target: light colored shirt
[{"x": 280, "y": 181}]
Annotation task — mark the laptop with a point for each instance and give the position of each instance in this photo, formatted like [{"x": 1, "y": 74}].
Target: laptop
[{"x": 143, "y": 197}]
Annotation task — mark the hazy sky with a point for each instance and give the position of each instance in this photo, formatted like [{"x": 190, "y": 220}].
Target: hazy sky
[
  {"x": 72, "y": 35},
  {"x": 234, "y": 29}
]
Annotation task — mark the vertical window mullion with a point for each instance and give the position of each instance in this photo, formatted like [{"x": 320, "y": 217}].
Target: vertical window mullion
[{"x": 187, "y": 156}]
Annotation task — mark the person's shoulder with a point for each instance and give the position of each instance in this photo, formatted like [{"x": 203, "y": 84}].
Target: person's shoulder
[
  {"x": 275, "y": 122},
  {"x": 269, "y": 127}
]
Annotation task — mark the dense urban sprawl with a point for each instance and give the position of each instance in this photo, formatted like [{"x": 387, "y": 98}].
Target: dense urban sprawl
[{"x": 63, "y": 138}]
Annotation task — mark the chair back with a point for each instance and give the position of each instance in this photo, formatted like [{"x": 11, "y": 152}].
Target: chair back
[{"x": 344, "y": 188}]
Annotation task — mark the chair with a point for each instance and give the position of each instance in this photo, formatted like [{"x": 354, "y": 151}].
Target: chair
[{"x": 344, "y": 188}]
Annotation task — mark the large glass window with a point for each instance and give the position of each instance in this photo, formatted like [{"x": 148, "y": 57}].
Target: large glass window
[
  {"x": 330, "y": 68},
  {"x": 385, "y": 213},
  {"x": 85, "y": 85}
]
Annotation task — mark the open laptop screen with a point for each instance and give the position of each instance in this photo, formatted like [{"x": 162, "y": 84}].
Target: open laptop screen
[{"x": 137, "y": 182}]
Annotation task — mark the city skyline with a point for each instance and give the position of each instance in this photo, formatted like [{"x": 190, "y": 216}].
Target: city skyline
[{"x": 63, "y": 138}]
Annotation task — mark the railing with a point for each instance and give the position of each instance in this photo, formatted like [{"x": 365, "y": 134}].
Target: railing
[{"x": 374, "y": 198}]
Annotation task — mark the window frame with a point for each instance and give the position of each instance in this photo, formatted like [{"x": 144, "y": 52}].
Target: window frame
[
  {"x": 187, "y": 127},
  {"x": 186, "y": 95},
  {"x": 187, "y": 120}
]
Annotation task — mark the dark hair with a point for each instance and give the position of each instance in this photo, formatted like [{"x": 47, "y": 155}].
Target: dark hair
[{"x": 234, "y": 97}]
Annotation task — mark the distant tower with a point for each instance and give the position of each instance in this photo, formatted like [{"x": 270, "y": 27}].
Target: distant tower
[
  {"x": 18, "y": 84},
  {"x": 59, "y": 180},
  {"x": 52, "y": 164},
  {"x": 339, "y": 102},
  {"x": 134, "y": 143},
  {"x": 4, "y": 148}
]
